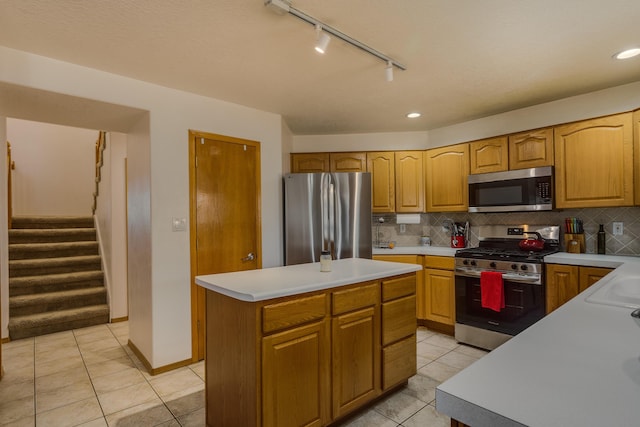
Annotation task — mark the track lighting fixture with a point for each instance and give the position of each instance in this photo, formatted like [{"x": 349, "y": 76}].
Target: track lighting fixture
[
  {"x": 322, "y": 39},
  {"x": 282, "y": 7},
  {"x": 389, "y": 71}
]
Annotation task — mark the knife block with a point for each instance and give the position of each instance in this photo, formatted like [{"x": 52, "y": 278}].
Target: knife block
[{"x": 574, "y": 243}]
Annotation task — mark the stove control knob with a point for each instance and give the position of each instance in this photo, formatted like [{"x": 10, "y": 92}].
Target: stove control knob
[
  {"x": 514, "y": 267},
  {"x": 492, "y": 265},
  {"x": 473, "y": 263},
  {"x": 465, "y": 262},
  {"x": 523, "y": 267}
]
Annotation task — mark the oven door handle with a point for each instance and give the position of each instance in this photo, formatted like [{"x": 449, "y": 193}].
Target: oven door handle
[{"x": 505, "y": 276}]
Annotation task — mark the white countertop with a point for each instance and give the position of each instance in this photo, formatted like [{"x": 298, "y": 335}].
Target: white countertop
[
  {"x": 416, "y": 250},
  {"x": 578, "y": 366},
  {"x": 268, "y": 283}
]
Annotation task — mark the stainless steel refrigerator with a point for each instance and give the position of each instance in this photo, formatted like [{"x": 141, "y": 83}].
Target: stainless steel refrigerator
[{"x": 326, "y": 211}]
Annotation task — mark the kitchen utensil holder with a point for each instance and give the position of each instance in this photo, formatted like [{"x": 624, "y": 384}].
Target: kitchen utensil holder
[{"x": 574, "y": 243}]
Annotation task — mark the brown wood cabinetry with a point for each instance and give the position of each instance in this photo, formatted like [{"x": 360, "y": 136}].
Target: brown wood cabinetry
[
  {"x": 308, "y": 359},
  {"x": 594, "y": 162},
  {"x": 440, "y": 289},
  {"x": 421, "y": 302},
  {"x": 489, "y": 155},
  {"x": 446, "y": 172},
  {"x": 409, "y": 181},
  {"x": 531, "y": 149},
  {"x": 636, "y": 155},
  {"x": 348, "y": 162},
  {"x": 309, "y": 162},
  {"x": 563, "y": 282},
  {"x": 381, "y": 165}
]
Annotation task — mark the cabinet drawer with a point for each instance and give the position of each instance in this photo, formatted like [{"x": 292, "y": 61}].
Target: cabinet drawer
[
  {"x": 398, "y": 362},
  {"x": 440, "y": 262},
  {"x": 398, "y": 287},
  {"x": 293, "y": 312},
  {"x": 355, "y": 298},
  {"x": 398, "y": 319}
]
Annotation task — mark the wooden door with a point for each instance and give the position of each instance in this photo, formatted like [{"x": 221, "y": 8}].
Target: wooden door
[
  {"x": 594, "y": 162},
  {"x": 225, "y": 215},
  {"x": 636, "y": 155},
  {"x": 295, "y": 377},
  {"x": 562, "y": 284},
  {"x": 309, "y": 162},
  {"x": 531, "y": 149},
  {"x": 381, "y": 165},
  {"x": 348, "y": 162},
  {"x": 440, "y": 293},
  {"x": 446, "y": 171},
  {"x": 590, "y": 275},
  {"x": 489, "y": 155},
  {"x": 409, "y": 181}
]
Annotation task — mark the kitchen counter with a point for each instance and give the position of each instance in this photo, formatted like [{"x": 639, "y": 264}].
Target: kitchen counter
[
  {"x": 268, "y": 283},
  {"x": 416, "y": 250},
  {"x": 578, "y": 366}
]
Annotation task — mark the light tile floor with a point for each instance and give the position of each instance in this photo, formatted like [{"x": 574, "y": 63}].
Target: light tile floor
[{"x": 90, "y": 377}]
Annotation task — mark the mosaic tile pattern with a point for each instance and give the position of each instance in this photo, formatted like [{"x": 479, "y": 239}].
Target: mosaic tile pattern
[{"x": 431, "y": 225}]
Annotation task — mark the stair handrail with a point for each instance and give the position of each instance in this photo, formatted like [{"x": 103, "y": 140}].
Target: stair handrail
[
  {"x": 101, "y": 144},
  {"x": 11, "y": 165}
]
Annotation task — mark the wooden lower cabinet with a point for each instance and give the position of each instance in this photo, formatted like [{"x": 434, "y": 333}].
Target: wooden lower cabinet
[
  {"x": 439, "y": 282},
  {"x": 564, "y": 282},
  {"x": 310, "y": 359}
]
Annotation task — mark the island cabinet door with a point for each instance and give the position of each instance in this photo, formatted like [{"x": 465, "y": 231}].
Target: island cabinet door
[{"x": 296, "y": 377}]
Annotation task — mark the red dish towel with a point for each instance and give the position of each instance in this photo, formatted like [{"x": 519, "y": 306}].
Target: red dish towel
[{"x": 492, "y": 290}]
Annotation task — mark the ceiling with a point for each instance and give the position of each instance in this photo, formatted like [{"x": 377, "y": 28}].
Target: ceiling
[{"x": 465, "y": 59}]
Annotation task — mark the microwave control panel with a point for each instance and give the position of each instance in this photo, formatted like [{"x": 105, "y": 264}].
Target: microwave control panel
[{"x": 543, "y": 191}]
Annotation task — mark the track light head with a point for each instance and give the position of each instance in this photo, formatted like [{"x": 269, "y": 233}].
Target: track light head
[
  {"x": 389, "y": 71},
  {"x": 322, "y": 40}
]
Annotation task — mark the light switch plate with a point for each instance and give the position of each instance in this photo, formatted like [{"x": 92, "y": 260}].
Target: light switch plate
[
  {"x": 179, "y": 224},
  {"x": 618, "y": 228}
]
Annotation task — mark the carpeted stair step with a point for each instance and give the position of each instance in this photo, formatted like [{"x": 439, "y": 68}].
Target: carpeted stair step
[
  {"x": 33, "y": 267},
  {"x": 55, "y": 282},
  {"x": 51, "y": 235},
  {"x": 62, "y": 300},
  {"x": 51, "y": 250},
  {"x": 52, "y": 222},
  {"x": 56, "y": 321}
]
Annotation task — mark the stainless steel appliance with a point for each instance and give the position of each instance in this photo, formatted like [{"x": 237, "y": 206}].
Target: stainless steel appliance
[
  {"x": 326, "y": 211},
  {"x": 517, "y": 190},
  {"x": 522, "y": 277}
]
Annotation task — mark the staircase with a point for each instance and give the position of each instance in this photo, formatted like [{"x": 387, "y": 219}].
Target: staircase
[{"x": 55, "y": 276}]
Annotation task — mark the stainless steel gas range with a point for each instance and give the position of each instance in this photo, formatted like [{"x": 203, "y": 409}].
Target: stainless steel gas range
[{"x": 521, "y": 272}]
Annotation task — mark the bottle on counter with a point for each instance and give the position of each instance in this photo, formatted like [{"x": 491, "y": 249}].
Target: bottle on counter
[
  {"x": 602, "y": 239},
  {"x": 325, "y": 261}
]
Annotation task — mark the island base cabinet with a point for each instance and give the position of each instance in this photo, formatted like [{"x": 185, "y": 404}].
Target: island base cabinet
[
  {"x": 398, "y": 362},
  {"x": 296, "y": 373}
]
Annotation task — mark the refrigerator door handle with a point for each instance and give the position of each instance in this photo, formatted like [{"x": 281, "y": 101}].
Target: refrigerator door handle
[
  {"x": 325, "y": 208},
  {"x": 332, "y": 220}
]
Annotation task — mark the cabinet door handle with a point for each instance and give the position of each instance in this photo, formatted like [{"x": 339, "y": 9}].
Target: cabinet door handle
[{"x": 250, "y": 257}]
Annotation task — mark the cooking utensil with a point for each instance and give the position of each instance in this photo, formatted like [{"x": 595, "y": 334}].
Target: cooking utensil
[{"x": 536, "y": 244}]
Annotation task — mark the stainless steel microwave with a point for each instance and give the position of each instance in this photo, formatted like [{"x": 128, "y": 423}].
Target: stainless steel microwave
[{"x": 512, "y": 191}]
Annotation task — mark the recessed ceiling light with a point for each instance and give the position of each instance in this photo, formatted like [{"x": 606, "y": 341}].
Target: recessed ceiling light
[
  {"x": 413, "y": 115},
  {"x": 629, "y": 53}
]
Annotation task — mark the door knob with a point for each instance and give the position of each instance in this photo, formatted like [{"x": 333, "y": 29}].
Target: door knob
[{"x": 250, "y": 257}]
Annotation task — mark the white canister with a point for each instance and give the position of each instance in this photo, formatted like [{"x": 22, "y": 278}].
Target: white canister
[{"x": 325, "y": 261}]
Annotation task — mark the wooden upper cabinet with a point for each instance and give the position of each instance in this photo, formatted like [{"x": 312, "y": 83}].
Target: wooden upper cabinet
[
  {"x": 594, "y": 162},
  {"x": 446, "y": 172},
  {"x": 489, "y": 155},
  {"x": 381, "y": 164},
  {"x": 348, "y": 162},
  {"x": 309, "y": 162},
  {"x": 409, "y": 181},
  {"x": 531, "y": 149}
]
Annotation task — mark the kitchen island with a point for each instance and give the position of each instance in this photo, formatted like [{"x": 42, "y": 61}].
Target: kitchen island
[
  {"x": 578, "y": 366},
  {"x": 291, "y": 346}
]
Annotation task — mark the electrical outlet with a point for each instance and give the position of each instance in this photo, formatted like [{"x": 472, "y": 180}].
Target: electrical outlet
[
  {"x": 403, "y": 228},
  {"x": 618, "y": 228}
]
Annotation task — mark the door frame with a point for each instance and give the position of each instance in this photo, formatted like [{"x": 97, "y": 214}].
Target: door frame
[{"x": 196, "y": 301}]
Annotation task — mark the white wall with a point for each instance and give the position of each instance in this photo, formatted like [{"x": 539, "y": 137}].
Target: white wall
[
  {"x": 361, "y": 142},
  {"x": 159, "y": 268},
  {"x": 55, "y": 168}
]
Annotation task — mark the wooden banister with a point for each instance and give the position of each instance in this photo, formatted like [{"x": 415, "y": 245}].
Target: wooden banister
[
  {"x": 10, "y": 166},
  {"x": 101, "y": 144}
]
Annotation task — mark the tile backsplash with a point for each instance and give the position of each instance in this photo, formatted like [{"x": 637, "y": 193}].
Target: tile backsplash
[{"x": 431, "y": 225}]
